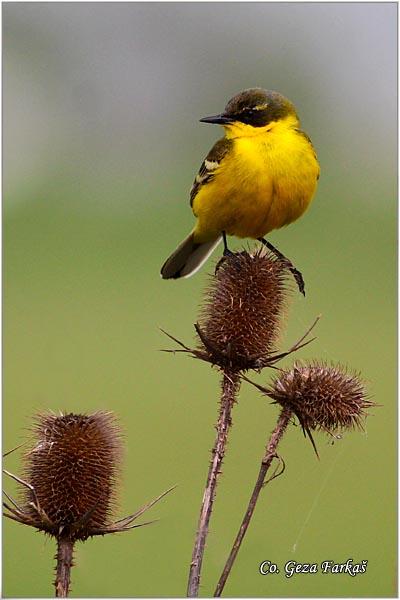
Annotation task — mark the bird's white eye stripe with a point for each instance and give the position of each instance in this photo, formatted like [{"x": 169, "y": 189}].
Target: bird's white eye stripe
[
  {"x": 210, "y": 165},
  {"x": 260, "y": 106},
  {"x": 257, "y": 107}
]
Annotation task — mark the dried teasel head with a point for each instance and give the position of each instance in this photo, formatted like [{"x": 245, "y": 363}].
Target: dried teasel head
[
  {"x": 323, "y": 397},
  {"x": 242, "y": 312},
  {"x": 74, "y": 469},
  {"x": 71, "y": 477}
]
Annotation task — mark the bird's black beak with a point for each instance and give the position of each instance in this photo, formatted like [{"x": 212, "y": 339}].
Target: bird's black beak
[{"x": 217, "y": 119}]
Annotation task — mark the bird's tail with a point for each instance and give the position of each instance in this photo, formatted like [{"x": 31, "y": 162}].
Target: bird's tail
[{"x": 188, "y": 257}]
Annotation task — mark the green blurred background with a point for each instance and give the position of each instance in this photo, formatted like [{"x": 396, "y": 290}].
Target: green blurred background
[{"x": 101, "y": 144}]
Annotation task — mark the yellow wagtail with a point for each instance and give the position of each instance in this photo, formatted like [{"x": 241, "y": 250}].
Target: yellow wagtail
[{"x": 260, "y": 176}]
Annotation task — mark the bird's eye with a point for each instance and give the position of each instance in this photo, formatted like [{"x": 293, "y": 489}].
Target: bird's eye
[{"x": 250, "y": 111}]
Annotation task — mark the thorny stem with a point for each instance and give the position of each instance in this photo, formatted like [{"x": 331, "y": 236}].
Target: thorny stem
[
  {"x": 230, "y": 386},
  {"x": 64, "y": 563},
  {"x": 270, "y": 454}
]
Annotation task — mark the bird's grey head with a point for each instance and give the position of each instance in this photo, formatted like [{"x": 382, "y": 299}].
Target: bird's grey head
[{"x": 256, "y": 107}]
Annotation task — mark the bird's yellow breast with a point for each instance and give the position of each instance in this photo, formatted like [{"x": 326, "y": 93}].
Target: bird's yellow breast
[{"x": 267, "y": 180}]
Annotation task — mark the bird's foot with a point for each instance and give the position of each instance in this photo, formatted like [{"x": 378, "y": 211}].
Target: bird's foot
[
  {"x": 227, "y": 254},
  {"x": 223, "y": 258},
  {"x": 298, "y": 277}
]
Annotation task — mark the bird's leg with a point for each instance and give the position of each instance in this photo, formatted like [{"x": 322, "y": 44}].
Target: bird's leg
[
  {"x": 296, "y": 274},
  {"x": 226, "y": 253}
]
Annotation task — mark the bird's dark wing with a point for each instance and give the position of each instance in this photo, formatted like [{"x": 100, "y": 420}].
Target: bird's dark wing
[{"x": 209, "y": 166}]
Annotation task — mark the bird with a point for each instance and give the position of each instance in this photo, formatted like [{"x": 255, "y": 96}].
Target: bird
[{"x": 260, "y": 176}]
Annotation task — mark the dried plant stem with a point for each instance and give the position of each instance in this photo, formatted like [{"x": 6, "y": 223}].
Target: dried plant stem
[
  {"x": 230, "y": 386},
  {"x": 64, "y": 563},
  {"x": 270, "y": 454}
]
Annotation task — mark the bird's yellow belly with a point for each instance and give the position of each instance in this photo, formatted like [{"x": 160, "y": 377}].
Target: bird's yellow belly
[{"x": 262, "y": 186}]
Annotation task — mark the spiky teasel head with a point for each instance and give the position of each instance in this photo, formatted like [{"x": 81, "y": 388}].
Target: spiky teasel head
[
  {"x": 71, "y": 477},
  {"x": 323, "y": 397},
  {"x": 74, "y": 469},
  {"x": 242, "y": 312}
]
